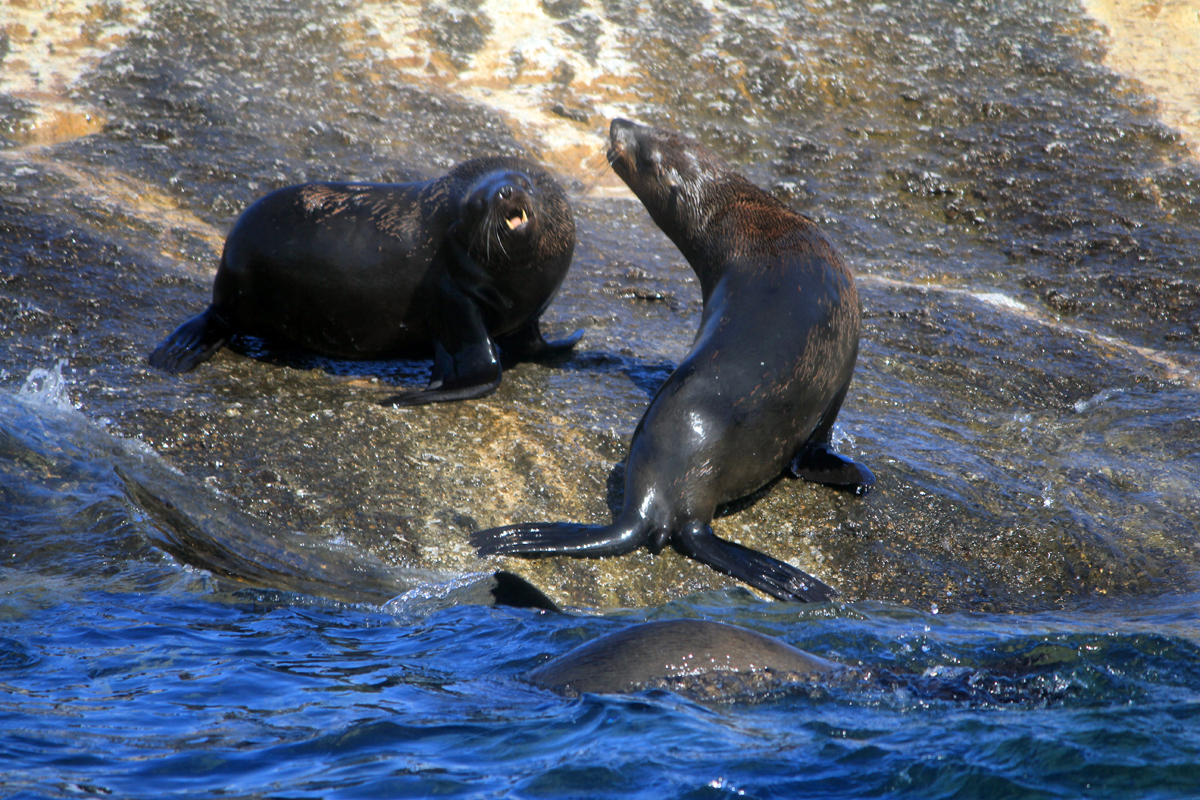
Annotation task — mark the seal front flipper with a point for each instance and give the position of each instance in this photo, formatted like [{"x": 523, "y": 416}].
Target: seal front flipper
[
  {"x": 192, "y": 342},
  {"x": 474, "y": 371},
  {"x": 465, "y": 361},
  {"x": 820, "y": 464},
  {"x": 781, "y": 581},
  {"x": 534, "y": 539},
  {"x": 528, "y": 344}
]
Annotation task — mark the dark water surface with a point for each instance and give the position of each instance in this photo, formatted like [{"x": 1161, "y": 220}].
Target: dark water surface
[
  {"x": 1023, "y": 229},
  {"x": 253, "y": 581}
]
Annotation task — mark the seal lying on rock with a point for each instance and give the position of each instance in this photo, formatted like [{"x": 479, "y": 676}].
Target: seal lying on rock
[
  {"x": 711, "y": 660},
  {"x": 758, "y": 393},
  {"x": 458, "y": 269}
]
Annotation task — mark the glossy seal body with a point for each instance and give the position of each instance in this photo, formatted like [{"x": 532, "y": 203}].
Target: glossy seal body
[
  {"x": 458, "y": 269},
  {"x": 761, "y": 388},
  {"x": 680, "y": 653}
]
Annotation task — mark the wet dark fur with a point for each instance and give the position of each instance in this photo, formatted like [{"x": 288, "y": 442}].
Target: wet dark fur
[
  {"x": 411, "y": 270},
  {"x": 760, "y": 390},
  {"x": 703, "y": 659}
]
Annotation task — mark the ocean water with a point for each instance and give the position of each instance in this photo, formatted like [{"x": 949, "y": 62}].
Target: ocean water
[
  {"x": 124, "y": 673},
  {"x": 185, "y": 693}
]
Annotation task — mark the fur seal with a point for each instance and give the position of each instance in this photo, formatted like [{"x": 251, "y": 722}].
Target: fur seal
[
  {"x": 458, "y": 268},
  {"x": 761, "y": 388},
  {"x": 698, "y": 656}
]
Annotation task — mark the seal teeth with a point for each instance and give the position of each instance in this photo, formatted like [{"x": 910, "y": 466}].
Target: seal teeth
[{"x": 517, "y": 220}]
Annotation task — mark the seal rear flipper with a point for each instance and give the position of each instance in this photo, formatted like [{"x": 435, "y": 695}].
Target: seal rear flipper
[
  {"x": 528, "y": 344},
  {"x": 534, "y": 539},
  {"x": 820, "y": 464},
  {"x": 192, "y": 342},
  {"x": 781, "y": 581}
]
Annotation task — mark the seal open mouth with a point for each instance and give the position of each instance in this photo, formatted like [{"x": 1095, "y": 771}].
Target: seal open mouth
[{"x": 517, "y": 219}]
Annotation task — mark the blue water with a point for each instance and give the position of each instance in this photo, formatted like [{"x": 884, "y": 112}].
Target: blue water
[
  {"x": 182, "y": 693},
  {"x": 125, "y": 674}
]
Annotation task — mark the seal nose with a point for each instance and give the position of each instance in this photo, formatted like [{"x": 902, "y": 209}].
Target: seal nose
[
  {"x": 505, "y": 192},
  {"x": 622, "y": 135}
]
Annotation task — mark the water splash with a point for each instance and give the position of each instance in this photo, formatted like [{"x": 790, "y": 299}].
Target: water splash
[
  {"x": 437, "y": 593},
  {"x": 49, "y": 387},
  {"x": 841, "y": 438},
  {"x": 1083, "y": 406}
]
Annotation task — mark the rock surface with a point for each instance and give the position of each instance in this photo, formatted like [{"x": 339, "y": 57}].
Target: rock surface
[{"x": 1024, "y": 232}]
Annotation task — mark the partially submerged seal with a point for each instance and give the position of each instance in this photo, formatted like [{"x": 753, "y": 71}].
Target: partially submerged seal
[
  {"x": 758, "y": 393},
  {"x": 458, "y": 268},
  {"x": 700, "y": 657}
]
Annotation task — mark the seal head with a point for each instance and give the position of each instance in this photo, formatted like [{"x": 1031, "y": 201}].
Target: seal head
[{"x": 500, "y": 213}]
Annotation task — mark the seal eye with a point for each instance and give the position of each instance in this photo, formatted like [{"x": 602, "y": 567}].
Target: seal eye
[{"x": 646, "y": 164}]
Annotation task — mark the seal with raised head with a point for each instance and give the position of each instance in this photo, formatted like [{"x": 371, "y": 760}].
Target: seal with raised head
[
  {"x": 458, "y": 268},
  {"x": 761, "y": 388},
  {"x": 710, "y": 659}
]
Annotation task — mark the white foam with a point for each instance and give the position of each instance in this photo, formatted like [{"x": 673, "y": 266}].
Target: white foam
[
  {"x": 1000, "y": 300},
  {"x": 1082, "y": 406},
  {"x": 48, "y": 387}
]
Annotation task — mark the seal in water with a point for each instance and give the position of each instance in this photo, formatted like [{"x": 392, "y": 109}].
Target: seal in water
[
  {"x": 697, "y": 656},
  {"x": 760, "y": 389},
  {"x": 458, "y": 269}
]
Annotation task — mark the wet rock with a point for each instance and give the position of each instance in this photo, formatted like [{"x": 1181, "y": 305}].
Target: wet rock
[{"x": 1023, "y": 230}]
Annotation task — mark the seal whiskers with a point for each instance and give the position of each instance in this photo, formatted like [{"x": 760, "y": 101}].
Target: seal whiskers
[{"x": 598, "y": 172}]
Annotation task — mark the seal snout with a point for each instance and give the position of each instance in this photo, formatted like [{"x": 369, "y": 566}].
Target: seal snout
[
  {"x": 515, "y": 214},
  {"x": 504, "y": 202},
  {"x": 622, "y": 139},
  {"x": 621, "y": 130},
  {"x": 516, "y": 218},
  {"x": 513, "y": 201}
]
